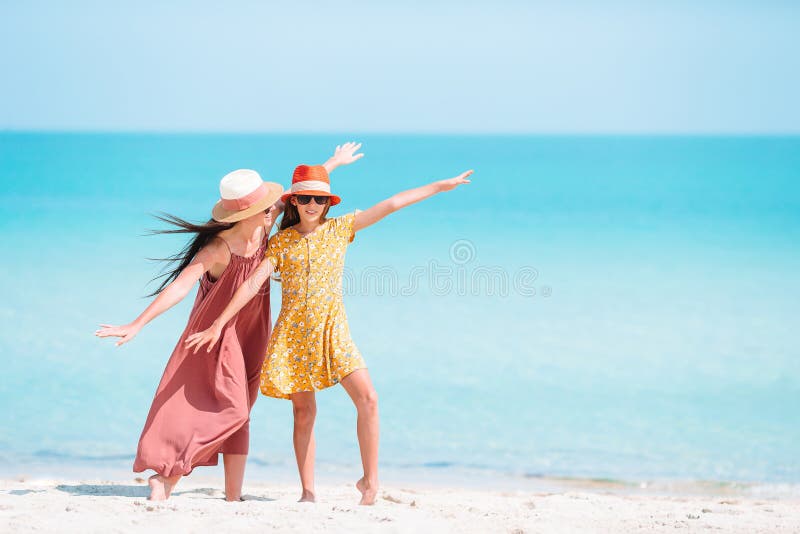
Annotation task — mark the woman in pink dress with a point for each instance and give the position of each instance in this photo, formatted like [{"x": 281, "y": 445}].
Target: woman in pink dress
[{"x": 202, "y": 405}]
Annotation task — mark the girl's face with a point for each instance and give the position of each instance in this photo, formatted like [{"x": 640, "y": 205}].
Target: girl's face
[{"x": 310, "y": 208}]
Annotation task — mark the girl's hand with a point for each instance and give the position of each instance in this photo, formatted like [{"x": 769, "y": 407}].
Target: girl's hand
[
  {"x": 452, "y": 183},
  {"x": 346, "y": 154},
  {"x": 126, "y": 332},
  {"x": 208, "y": 336}
]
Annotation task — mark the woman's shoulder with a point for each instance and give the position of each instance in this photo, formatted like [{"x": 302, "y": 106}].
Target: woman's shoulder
[
  {"x": 217, "y": 247},
  {"x": 213, "y": 252}
]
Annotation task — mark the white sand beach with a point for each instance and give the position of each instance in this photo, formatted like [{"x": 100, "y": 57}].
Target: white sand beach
[{"x": 198, "y": 506}]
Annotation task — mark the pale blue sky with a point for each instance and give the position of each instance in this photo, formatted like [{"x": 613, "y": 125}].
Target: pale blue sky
[{"x": 442, "y": 66}]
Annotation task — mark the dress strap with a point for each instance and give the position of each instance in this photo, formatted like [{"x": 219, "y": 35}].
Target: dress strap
[{"x": 230, "y": 252}]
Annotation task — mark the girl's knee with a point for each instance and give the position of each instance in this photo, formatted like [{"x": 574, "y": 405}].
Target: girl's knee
[
  {"x": 304, "y": 413},
  {"x": 368, "y": 400}
]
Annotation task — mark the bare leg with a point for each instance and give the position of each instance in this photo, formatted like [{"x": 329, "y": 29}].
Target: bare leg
[
  {"x": 359, "y": 386},
  {"x": 304, "y": 406},
  {"x": 161, "y": 486},
  {"x": 234, "y": 475}
]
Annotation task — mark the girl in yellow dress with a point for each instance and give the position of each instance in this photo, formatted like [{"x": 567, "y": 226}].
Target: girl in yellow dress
[{"x": 310, "y": 348}]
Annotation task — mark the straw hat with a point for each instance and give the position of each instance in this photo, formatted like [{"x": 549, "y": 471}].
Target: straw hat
[
  {"x": 311, "y": 180},
  {"x": 243, "y": 194}
]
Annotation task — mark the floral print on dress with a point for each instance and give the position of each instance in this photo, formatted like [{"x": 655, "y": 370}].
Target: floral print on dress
[{"x": 310, "y": 348}]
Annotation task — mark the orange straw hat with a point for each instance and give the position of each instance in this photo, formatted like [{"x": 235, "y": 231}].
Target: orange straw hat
[
  {"x": 311, "y": 180},
  {"x": 243, "y": 193}
]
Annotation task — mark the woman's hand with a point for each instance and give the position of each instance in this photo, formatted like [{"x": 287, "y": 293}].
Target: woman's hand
[
  {"x": 344, "y": 155},
  {"x": 452, "y": 183},
  {"x": 208, "y": 336},
  {"x": 126, "y": 332},
  {"x": 214, "y": 252}
]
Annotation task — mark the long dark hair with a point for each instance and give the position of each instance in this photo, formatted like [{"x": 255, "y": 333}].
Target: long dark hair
[
  {"x": 203, "y": 234},
  {"x": 291, "y": 216}
]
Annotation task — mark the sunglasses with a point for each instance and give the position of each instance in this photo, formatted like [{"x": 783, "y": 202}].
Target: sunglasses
[{"x": 305, "y": 199}]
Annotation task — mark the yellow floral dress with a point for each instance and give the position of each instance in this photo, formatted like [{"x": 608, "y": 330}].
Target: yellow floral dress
[{"x": 310, "y": 347}]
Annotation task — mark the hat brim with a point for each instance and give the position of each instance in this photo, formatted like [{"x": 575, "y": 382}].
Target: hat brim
[
  {"x": 313, "y": 192},
  {"x": 220, "y": 214}
]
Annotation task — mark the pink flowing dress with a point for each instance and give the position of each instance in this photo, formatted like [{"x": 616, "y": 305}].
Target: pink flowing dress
[{"x": 202, "y": 405}]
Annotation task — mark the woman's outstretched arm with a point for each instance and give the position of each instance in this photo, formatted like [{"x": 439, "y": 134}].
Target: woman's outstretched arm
[
  {"x": 214, "y": 252},
  {"x": 249, "y": 288},
  {"x": 406, "y": 198}
]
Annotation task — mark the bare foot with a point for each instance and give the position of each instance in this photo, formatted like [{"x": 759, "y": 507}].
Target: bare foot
[
  {"x": 158, "y": 491},
  {"x": 308, "y": 496},
  {"x": 161, "y": 487},
  {"x": 369, "y": 491}
]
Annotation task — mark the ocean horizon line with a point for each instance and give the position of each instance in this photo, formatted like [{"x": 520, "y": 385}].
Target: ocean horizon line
[{"x": 409, "y": 133}]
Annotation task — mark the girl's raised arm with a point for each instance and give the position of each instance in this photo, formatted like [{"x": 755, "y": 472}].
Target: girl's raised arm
[
  {"x": 171, "y": 295},
  {"x": 243, "y": 295},
  {"x": 343, "y": 155},
  {"x": 406, "y": 198}
]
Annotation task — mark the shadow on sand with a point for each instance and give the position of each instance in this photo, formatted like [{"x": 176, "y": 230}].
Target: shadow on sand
[
  {"x": 19, "y": 493},
  {"x": 119, "y": 490},
  {"x": 105, "y": 490},
  {"x": 218, "y": 494}
]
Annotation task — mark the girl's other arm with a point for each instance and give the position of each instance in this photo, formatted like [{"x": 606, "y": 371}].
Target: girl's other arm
[{"x": 243, "y": 295}]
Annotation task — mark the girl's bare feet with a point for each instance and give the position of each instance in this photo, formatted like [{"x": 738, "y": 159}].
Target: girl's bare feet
[
  {"x": 308, "y": 496},
  {"x": 369, "y": 491},
  {"x": 161, "y": 486}
]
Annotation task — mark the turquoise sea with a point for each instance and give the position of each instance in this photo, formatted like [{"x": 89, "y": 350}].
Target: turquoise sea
[{"x": 621, "y": 308}]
